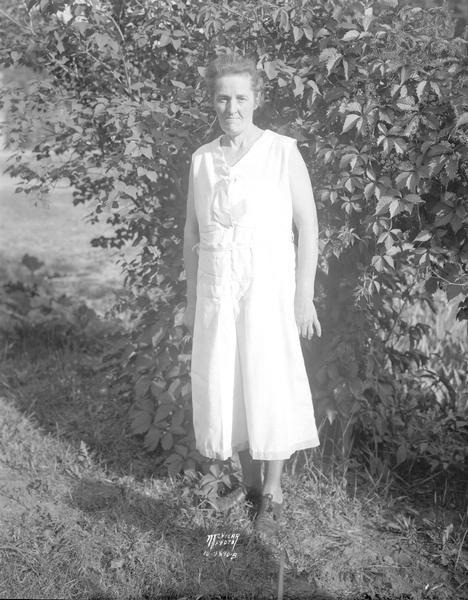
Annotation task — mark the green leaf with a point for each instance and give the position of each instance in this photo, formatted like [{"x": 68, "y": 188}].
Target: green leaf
[
  {"x": 141, "y": 422},
  {"x": 315, "y": 89},
  {"x": 389, "y": 260},
  {"x": 189, "y": 467},
  {"x": 369, "y": 191},
  {"x": 394, "y": 207},
  {"x": 181, "y": 450},
  {"x": 400, "y": 145},
  {"x": 423, "y": 236},
  {"x": 462, "y": 120},
  {"x": 157, "y": 387},
  {"x": 346, "y": 69},
  {"x": 178, "y": 430},
  {"x": 174, "y": 466},
  {"x": 435, "y": 88},
  {"x": 377, "y": 263},
  {"x": 420, "y": 88},
  {"x": 349, "y": 122},
  {"x": 167, "y": 441},
  {"x": 152, "y": 438},
  {"x": 431, "y": 285},
  {"x": 178, "y": 417},
  {"x": 384, "y": 204},
  {"x": 142, "y": 386},
  {"x": 368, "y": 17},
  {"x": 131, "y": 149},
  {"x": 298, "y": 32},
  {"x": 270, "y": 69},
  {"x": 407, "y": 103},
  {"x": 309, "y": 33},
  {"x": 453, "y": 290},
  {"x": 163, "y": 412},
  {"x": 167, "y": 397},
  {"x": 215, "y": 470},
  {"x": 351, "y": 35},
  {"x": 164, "y": 40},
  {"x": 331, "y": 57},
  {"x": 147, "y": 151},
  {"x": 451, "y": 167},
  {"x": 174, "y": 457},
  {"x": 298, "y": 86},
  {"x": 175, "y": 388}
]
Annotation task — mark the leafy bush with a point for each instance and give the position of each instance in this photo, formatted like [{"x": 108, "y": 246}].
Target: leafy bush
[{"x": 376, "y": 97}]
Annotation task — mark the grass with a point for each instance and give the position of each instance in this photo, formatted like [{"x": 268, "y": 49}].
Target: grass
[{"x": 84, "y": 513}]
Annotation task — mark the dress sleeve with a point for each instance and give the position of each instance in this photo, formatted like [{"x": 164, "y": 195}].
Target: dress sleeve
[
  {"x": 295, "y": 162},
  {"x": 291, "y": 153}
]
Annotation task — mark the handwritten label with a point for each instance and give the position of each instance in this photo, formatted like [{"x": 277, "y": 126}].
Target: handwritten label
[{"x": 221, "y": 545}]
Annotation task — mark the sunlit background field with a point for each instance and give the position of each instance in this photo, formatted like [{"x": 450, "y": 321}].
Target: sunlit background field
[{"x": 58, "y": 234}]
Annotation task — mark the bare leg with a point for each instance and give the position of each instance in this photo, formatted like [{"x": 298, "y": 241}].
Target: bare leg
[
  {"x": 272, "y": 485},
  {"x": 251, "y": 470}
]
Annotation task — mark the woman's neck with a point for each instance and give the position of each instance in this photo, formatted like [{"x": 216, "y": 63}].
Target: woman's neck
[{"x": 242, "y": 140}]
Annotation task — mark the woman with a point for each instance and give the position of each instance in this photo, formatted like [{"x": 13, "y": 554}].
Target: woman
[{"x": 247, "y": 302}]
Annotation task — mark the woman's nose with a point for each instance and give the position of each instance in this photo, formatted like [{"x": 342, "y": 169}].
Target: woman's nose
[{"x": 231, "y": 106}]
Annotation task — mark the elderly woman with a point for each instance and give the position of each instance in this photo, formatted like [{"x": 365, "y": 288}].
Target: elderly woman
[{"x": 247, "y": 299}]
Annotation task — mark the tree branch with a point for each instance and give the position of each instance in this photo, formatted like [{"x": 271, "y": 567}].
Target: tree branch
[{"x": 17, "y": 23}]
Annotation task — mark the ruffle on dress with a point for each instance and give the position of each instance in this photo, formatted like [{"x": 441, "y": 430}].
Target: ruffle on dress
[{"x": 229, "y": 203}]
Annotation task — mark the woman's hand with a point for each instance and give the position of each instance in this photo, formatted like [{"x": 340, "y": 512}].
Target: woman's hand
[
  {"x": 306, "y": 316},
  {"x": 189, "y": 316}
]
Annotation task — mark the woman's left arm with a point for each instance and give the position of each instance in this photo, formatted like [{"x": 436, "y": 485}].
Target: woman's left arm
[{"x": 305, "y": 219}]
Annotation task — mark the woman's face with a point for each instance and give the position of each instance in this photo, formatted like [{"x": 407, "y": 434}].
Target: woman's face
[{"x": 234, "y": 101}]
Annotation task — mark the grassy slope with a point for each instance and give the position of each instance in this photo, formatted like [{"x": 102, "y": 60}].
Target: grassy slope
[{"x": 83, "y": 514}]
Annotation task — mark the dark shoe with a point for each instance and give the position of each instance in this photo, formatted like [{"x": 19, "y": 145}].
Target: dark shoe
[
  {"x": 238, "y": 496},
  {"x": 253, "y": 499},
  {"x": 268, "y": 517}
]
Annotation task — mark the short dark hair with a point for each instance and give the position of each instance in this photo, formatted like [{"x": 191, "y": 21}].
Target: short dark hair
[{"x": 233, "y": 64}]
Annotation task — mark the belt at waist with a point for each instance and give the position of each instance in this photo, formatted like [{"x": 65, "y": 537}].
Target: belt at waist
[{"x": 237, "y": 236}]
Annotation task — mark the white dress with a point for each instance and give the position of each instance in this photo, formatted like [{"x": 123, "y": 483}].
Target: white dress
[{"x": 249, "y": 384}]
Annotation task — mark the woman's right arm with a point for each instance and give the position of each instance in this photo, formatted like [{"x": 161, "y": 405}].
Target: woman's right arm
[{"x": 191, "y": 237}]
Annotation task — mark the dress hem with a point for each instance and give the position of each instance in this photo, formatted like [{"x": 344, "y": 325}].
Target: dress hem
[{"x": 256, "y": 455}]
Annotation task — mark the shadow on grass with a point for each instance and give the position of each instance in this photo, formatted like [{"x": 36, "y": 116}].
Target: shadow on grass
[
  {"x": 134, "y": 533},
  {"x": 253, "y": 572},
  {"x": 58, "y": 387}
]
